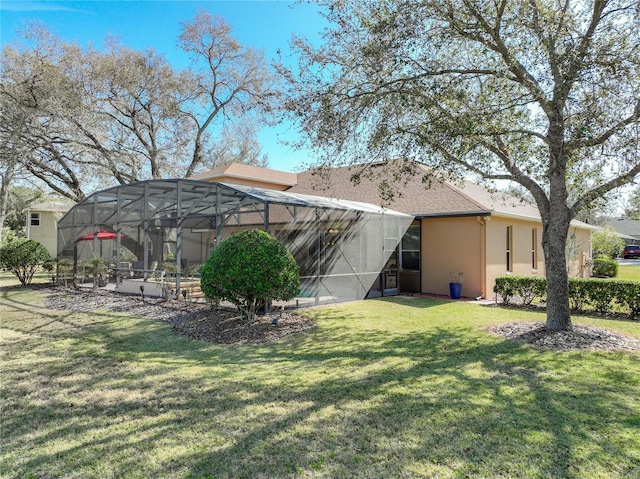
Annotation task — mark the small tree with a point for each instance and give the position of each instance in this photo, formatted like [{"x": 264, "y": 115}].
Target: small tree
[
  {"x": 607, "y": 242},
  {"x": 23, "y": 257},
  {"x": 99, "y": 267},
  {"x": 248, "y": 268},
  {"x": 632, "y": 211}
]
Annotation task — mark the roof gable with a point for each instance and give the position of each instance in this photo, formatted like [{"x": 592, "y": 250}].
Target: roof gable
[
  {"x": 55, "y": 206},
  {"x": 235, "y": 172}
]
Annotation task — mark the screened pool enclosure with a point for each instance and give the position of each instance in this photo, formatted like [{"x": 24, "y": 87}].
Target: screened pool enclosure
[{"x": 157, "y": 233}]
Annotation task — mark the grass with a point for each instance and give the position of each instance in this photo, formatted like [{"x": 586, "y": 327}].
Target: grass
[
  {"x": 380, "y": 388},
  {"x": 628, "y": 272},
  {"x": 10, "y": 280}
]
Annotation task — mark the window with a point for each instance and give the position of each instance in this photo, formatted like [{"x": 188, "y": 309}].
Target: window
[
  {"x": 411, "y": 248},
  {"x": 34, "y": 219},
  {"x": 509, "y": 243},
  {"x": 534, "y": 249}
]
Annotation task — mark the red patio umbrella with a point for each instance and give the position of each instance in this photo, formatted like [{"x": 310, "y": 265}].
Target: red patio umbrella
[{"x": 102, "y": 235}]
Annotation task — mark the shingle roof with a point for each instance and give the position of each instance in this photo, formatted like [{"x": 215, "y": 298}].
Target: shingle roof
[
  {"x": 60, "y": 206},
  {"x": 498, "y": 202},
  {"x": 415, "y": 198},
  {"x": 627, "y": 227},
  {"x": 418, "y": 199}
]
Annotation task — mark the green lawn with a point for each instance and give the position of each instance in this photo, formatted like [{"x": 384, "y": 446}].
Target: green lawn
[
  {"x": 628, "y": 272},
  {"x": 380, "y": 389}
]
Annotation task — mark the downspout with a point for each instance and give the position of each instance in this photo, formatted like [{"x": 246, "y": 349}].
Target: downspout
[{"x": 482, "y": 220}]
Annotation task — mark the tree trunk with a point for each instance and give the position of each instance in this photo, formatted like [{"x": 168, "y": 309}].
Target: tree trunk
[
  {"x": 4, "y": 200},
  {"x": 558, "y": 312},
  {"x": 5, "y": 181},
  {"x": 196, "y": 159},
  {"x": 554, "y": 241}
]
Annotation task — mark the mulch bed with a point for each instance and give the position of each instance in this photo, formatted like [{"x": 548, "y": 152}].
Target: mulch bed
[
  {"x": 224, "y": 326},
  {"x": 195, "y": 320},
  {"x": 580, "y": 338}
]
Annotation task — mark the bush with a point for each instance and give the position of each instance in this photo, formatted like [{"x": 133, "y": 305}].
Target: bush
[
  {"x": 629, "y": 296},
  {"x": 63, "y": 268},
  {"x": 248, "y": 268},
  {"x": 98, "y": 267},
  {"x": 603, "y": 296},
  {"x": 23, "y": 257},
  {"x": 604, "y": 266},
  {"x": 526, "y": 288},
  {"x": 579, "y": 293}
]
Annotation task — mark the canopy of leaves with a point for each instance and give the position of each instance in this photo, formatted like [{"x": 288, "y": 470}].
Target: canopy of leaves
[
  {"x": 509, "y": 90},
  {"x": 606, "y": 242},
  {"x": 78, "y": 119},
  {"x": 249, "y": 267},
  {"x": 632, "y": 211},
  {"x": 23, "y": 257},
  {"x": 19, "y": 199}
]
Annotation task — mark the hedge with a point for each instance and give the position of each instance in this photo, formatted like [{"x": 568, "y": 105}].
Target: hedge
[{"x": 584, "y": 294}]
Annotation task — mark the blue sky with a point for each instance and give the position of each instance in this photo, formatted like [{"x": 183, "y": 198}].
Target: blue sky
[{"x": 264, "y": 24}]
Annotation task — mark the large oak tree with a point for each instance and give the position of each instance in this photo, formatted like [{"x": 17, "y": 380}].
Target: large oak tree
[
  {"x": 78, "y": 118},
  {"x": 545, "y": 93}
]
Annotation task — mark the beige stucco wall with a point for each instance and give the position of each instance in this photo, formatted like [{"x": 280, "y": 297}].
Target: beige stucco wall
[
  {"x": 579, "y": 253},
  {"x": 449, "y": 245},
  {"x": 521, "y": 250},
  {"x": 477, "y": 247},
  {"x": 47, "y": 233},
  {"x": 578, "y": 250}
]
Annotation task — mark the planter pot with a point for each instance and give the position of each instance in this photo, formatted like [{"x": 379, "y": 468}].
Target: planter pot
[{"x": 455, "y": 289}]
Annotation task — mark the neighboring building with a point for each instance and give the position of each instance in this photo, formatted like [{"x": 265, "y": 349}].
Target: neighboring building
[
  {"x": 629, "y": 230},
  {"x": 42, "y": 223}
]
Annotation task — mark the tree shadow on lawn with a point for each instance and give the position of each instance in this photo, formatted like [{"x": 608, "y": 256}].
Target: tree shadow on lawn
[{"x": 130, "y": 399}]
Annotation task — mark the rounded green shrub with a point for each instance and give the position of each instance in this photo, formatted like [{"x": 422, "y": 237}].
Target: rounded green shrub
[
  {"x": 604, "y": 266},
  {"x": 23, "y": 257},
  {"x": 248, "y": 268}
]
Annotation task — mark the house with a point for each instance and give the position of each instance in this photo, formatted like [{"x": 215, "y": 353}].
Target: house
[
  {"x": 42, "y": 223},
  {"x": 629, "y": 230},
  {"x": 457, "y": 227},
  {"x": 347, "y": 246}
]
